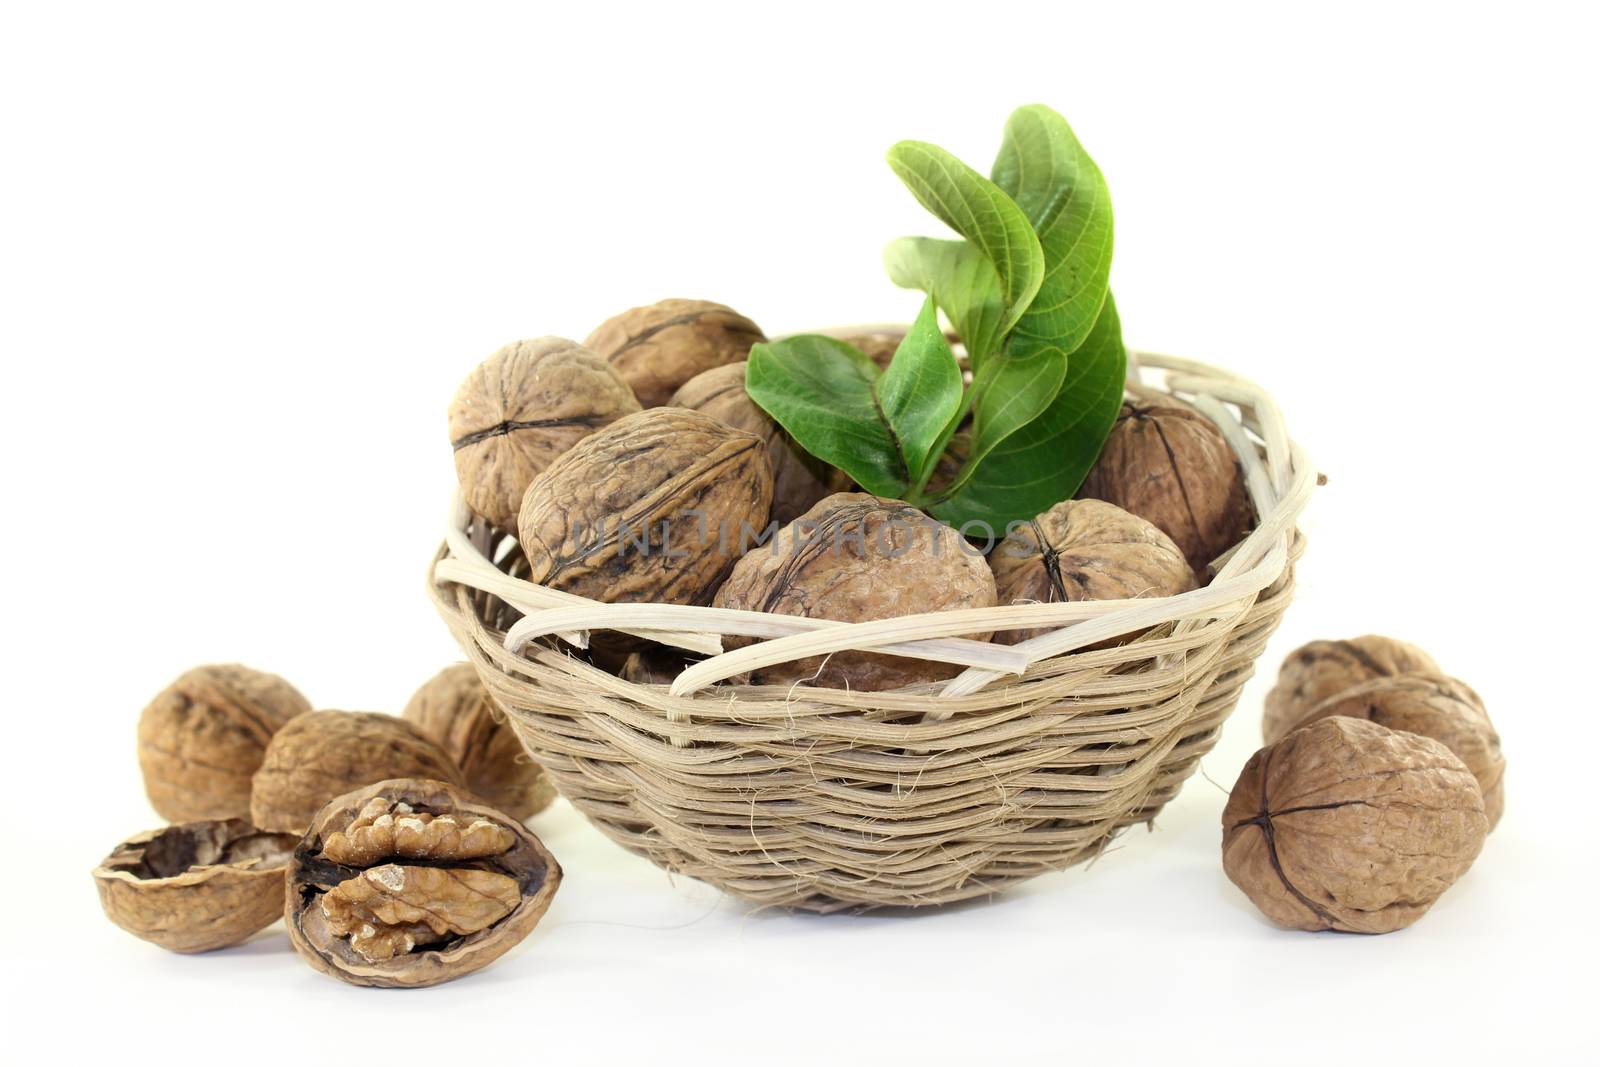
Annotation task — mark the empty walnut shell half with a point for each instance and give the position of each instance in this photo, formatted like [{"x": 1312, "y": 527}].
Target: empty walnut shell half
[
  {"x": 323, "y": 754},
  {"x": 1436, "y": 706},
  {"x": 1347, "y": 825},
  {"x": 411, "y": 883},
  {"x": 456, "y": 710},
  {"x": 203, "y": 736},
  {"x": 1319, "y": 669},
  {"x": 196, "y": 886},
  {"x": 659, "y": 347},
  {"x": 1085, "y": 550},
  {"x": 654, "y": 507},
  {"x": 523, "y": 407},
  {"x": 799, "y": 479},
  {"x": 1168, "y": 464},
  {"x": 856, "y": 558}
]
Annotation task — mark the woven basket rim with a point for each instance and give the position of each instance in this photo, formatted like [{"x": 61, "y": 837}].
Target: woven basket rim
[{"x": 1279, "y": 478}]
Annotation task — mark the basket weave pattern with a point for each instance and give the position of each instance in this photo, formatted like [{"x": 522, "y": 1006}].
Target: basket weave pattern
[{"x": 1030, "y": 761}]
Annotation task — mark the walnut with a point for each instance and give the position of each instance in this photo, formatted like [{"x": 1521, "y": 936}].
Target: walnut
[
  {"x": 799, "y": 479},
  {"x": 203, "y": 736},
  {"x": 877, "y": 345},
  {"x": 1316, "y": 671},
  {"x": 654, "y": 507},
  {"x": 1168, "y": 464},
  {"x": 322, "y": 754},
  {"x": 410, "y": 883},
  {"x": 1436, "y": 706},
  {"x": 653, "y": 666},
  {"x": 854, "y": 558},
  {"x": 456, "y": 710},
  {"x": 196, "y": 886},
  {"x": 523, "y": 407},
  {"x": 1346, "y": 825},
  {"x": 1085, "y": 550},
  {"x": 658, "y": 348}
]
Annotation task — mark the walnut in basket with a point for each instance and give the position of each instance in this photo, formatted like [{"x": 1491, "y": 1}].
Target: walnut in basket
[
  {"x": 658, "y": 348},
  {"x": 1346, "y": 825},
  {"x": 456, "y": 710},
  {"x": 1319, "y": 669},
  {"x": 1085, "y": 550},
  {"x": 522, "y": 407},
  {"x": 1167, "y": 463},
  {"x": 855, "y": 557},
  {"x": 799, "y": 480}
]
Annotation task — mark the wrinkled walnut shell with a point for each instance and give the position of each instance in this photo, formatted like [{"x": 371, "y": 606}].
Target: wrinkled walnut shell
[
  {"x": 856, "y": 558},
  {"x": 1319, "y": 669},
  {"x": 456, "y": 710},
  {"x": 1085, "y": 550},
  {"x": 323, "y": 754},
  {"x": 659, "y": 347},
  {"x": 652, "y": 508},
  {"x": 799, "y": 480},
  {"x": 1436, "y": 706},
  {"x": 196, "y": 886},
  {"x": 1346, "y": 825},
  {"x": 1168, "y": 464},
  {"x": 379, "y": 896},
  {"x": 202, "y": 738},
  {"x": 523, "y": 407}
]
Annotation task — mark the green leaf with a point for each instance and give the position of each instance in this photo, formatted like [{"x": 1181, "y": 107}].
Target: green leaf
[
  {"x": 1010, "y": 392},
  {"x": 978, "y": 210},
  {"x": 1043, "y": 463},
  {"x": 1062, "y": 193},
  {"x": 920, "y": 393},
  {"x": 961, "y": 281},
  {"x": 820, "y": 390}
]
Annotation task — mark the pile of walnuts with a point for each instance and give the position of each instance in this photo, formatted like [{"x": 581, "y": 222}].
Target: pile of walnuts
[
  {"x": 394, "y": 846},
  {"x": 1380, "y": 780}
]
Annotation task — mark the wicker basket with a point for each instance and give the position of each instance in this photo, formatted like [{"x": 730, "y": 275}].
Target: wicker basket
[{"x": 1029, "y": 761}]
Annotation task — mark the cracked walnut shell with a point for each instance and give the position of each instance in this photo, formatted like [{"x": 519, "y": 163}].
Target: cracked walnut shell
[
  {"x": 523, "y": 407},
  {"x": 323, "y": 754},
  {"x": 203, "y": 736},
  {"x": 1168, "y": 464},
  {"x": 196, "y": 886},
  {"x": 799, "y": 480},
  {"x": 1436, "y": 706},
  {"x": 1319, "y": 669},
  {"x": 653, "y": 508},
  {"x": 1085, "y": 550},
  {"x": 1346, "y": 825},
  {"x": 855, "y": 558},
  {"x": 409, "y": 883},
  {"x": 456, "y": 710},
  {"x": 659, "y": 347}
]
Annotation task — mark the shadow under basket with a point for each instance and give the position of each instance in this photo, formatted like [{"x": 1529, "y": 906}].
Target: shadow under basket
[{"x": 824, "y": 799}]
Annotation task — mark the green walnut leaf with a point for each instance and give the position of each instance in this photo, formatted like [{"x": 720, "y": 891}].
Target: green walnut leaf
[
  {"x": 919, "y": 395},
  {"x": 1009, "y": 393},
  {"x": 961, "y": 281},
  {"x": 1062, "y": 193},
  {"x": 980, "y": 211},
  {"x": 1043, "y": 463}
]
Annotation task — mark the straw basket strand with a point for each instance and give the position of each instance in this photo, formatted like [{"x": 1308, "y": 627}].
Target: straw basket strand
[{"x": 1028, "y": 761}]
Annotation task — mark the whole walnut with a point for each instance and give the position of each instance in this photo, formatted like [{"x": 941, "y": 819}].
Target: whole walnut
[
  {"x": 456, "y": 710},
  {"x": 203, "y": 736},
  {"x": 799, "y": 480},
  {"x": 410, "y": 883},
  {"x": 323, "y": 754},
  {"x": 1436, "y": 706},
  {"x": 523, "y": 407},
  {"x": 196, "y": 886},
  {"x": 653, "y": 667},
  {"x": 1167, "y": 463},
  {"x": 653, "y": 508},
  {"x": 1085, "y": 550},
  {"x": 877, "y": 345},
  {"x": 855, "y": 558},
  {"x": 1316, "y": 671},
  {"x": 658, "y": 348},
  {"x": 1347, "y": 825}
]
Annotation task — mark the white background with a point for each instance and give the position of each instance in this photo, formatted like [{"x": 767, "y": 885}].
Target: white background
[{"x": 248, "y": 253}]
